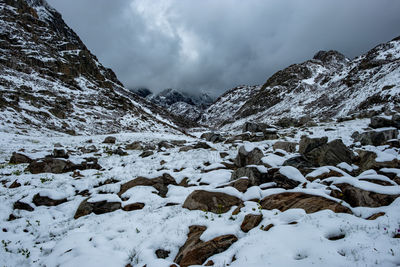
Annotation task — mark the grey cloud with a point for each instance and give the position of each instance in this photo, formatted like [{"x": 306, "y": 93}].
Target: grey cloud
[{"x": 215, "y": 45}]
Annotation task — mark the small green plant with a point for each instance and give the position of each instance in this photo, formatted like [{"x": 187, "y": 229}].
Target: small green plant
[
  {"x": 17, "y": 173},
  {"x": 219, "y": 209},
  {"x": 137, "y": 231},
  {"x": 5, "y": 245},
  {"x": 38, "y": 222},
  {"x": 46, "y": 179},
  {"x": 24, "y": 252}
]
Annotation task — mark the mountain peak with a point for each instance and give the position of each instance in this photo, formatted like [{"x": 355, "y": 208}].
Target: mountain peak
[{"x": 329, "y": 56}]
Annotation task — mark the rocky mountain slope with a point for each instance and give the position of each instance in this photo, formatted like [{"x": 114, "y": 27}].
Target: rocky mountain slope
[
  {"x": 325, "y": 87},
  {"x": 49, "y": 80},
  {"x": 179, "y": 103}
]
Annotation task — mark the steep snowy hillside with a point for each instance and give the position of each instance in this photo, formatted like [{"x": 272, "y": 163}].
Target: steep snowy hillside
[
  {"x": 182, "y": 104},
  {"x": 49, "y": 80},
  {"x": 327, "y": 86}
]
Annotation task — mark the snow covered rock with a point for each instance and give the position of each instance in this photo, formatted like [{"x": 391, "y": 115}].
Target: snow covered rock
[
  {"x": 357, "y": 197},
  {"x": 40, "y": 200},
  {"x": 255, "y": 175},
  {"x": 310, "y": 203},
  {"x": 196, "y": 252},
  {"x": 215, "y": 202},
  {"x": 98, "y": 207},
  {"x": 375, "y": 138},
  {"x": 53, "y": 165},
  {"x": 286, "y": 146}
]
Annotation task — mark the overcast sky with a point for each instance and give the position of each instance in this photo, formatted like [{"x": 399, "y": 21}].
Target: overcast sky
[{"x": 214, "y": 45}]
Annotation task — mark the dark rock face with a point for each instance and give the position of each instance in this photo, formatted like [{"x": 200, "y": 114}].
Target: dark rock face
[
  {"x": 255, "y": 176},
  {"x": 60, "y": 153},
  {"x": 358, "y": 197},
  {"x": 196, "y": 252},
  {"x": 162, "y": 254},
  {"x": 300, "y": 163},
  {"x": 203, "y": 145},
  {"x": 251, "y": 221},
  {"x": 110, "y": 140},
  {"x": 286, "y": 146},
  {"x": 255, "y": 127},
  {"x": 18, "y": 158},
  {"x": 215, "y": 202},
  {"x": 307, "y": 144},
  {"x": 52, "y": 165},
  {"x": 212, "y": 137},
  {"x": 309, "y": 203},
  {"x": 281, "y": 180},
  {"x": 134, "y": 146},
  {"x": 367, "y": 160},
  {"x": 380, "y": 122},
  {"x": 245, "y": 158},
  {"x": 160, "y": 183},
  {"x": 101, "y": 207},
  {"x": 39, "y": 200},
  {"x": 375, "y": 138},
  {"x": 22, "y": 206},
  {"x": 133, "y": 206}
]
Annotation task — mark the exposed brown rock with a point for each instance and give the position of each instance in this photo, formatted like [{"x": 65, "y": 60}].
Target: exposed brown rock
[
  {"x": 52, "y": 165},
  {"x": 297, "y": 200},
  {"x": 245, "y": 158},
  {"x": 39, "y": 200},
  {"x": 133, "y": 206},
  {"x": 162, "y": 254},
  {"x": 18, "y": 158},
  {"x": 357, "y": 197},
  {"x": 251, "y": 221},
  {"x": 196, "y": 252},
  {"x": 22, "y": 206},
  {"x": 375, "y": 216},
  {"x": 210, "y": 201},
  {"x": 15, "y": 184},
  {"x": 286, "y": 146},
  {"x": 160, "y": 183},
  {"x": 255, "y": 176},
  {"x": 85, "y": 208},
  {"x": 110, "y": 140},
  {"x": 269, "y": 226}
]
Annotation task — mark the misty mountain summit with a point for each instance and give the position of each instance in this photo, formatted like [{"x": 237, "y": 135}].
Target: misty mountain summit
[{"x": 300, "y": 170}]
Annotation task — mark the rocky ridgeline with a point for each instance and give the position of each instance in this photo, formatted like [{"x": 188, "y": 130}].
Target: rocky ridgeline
[{"x": 345, "y": 174}]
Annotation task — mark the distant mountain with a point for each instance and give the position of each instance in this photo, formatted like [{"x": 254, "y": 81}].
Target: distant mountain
[
  {"x": 50, "y": 81},
  {"x": 142, "y": 92},
  {"x": 180, "y": 103},
  {"x": 326, "y": 87}
]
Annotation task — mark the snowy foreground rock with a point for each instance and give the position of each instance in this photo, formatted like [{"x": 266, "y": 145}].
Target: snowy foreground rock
[{"x": 311, "y": 197}]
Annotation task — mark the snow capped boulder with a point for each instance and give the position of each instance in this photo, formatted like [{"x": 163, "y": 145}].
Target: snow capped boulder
[
  {"x": 380, "y": 122},
  {"x": 210, "y": 201},
  {"x": 52, "y": 165},
  {"x": 60, "y": 153},
  {"x": 297, "y": 200},
  {"x": 196, "y": 252},
  {"x": 212, "y": 137},
  {"x": 40, "y": 200},
  {"x": 110, "y": 140},
  {"x": 248, "y": 156},
  {"x": 308, "y": 144},
  {"x": 97, "y": 207},
  {"x": 357, "y": 197},
  {"x": 256, "y": 174},
  {"x": 286, "y": 146}
]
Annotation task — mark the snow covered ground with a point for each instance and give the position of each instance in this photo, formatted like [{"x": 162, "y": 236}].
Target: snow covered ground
[{"x": 50, "y": 236}]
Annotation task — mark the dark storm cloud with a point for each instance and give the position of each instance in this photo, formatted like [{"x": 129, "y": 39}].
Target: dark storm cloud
[{"x": 214, "y": 45}]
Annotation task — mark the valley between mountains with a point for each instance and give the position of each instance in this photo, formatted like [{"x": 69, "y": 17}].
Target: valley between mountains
[{"x": 303, "y": 170}]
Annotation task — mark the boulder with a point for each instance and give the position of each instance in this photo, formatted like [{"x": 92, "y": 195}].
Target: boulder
[
  {"x": 18, "y": 158},
  {"x": 133, "y": 206},
  {"x": 380, "y": 122},
  {"x": 60, "y": 153},
  {"x": 251, "y": 221},
  {"x": 254, "y": 127},
  {"x": 146, "y": 154},
  {"x": 203, "y": 145},
  {"x": 245, "y": 157},
  {"x": 255, "y": 176},
  {"x": 212, "y": 137},
  {"x": 39, "y": 200},
  {"x": 331, "y": 154},
  {"x": 160, "y": 183},
  {"x": 162, "y": 254},
  {"x": 101, "y": 207},
  {"x": 375, "y": 138},
  {"x": 366, "y": 160},
  {"x": 300, "y": 163},
  {"x": 297, "y": 200},
  {"x": 52, "y": 165},
  {"x": 396, "y": 121},
  {"x": 15, "y": 184},
  {"x": 286, "y": 146},
  {"x": 22, "y": 206},
  {"x": 281, "y": 180},
  {"x": 196, "y": 251},
  {"x": 241, "y": 185},
  {"x": 134, "y": 146},
  {"x": 307, "y": 144},
  {"x": 164, "y": 145},
  {"x": 357, "y": 197},
  {"x": 215, "y": 202},
  {"x": 110, "y": 140}
]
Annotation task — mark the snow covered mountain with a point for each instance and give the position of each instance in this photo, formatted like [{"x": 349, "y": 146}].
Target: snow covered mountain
[
  {"x": 50, "y": 81},
  {"x": 179, "y": 103},
  {"x": 327, "y": 86}
]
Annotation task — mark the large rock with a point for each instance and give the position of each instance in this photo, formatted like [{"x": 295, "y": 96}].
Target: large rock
[
  {"x": 212, "y": 137},
  {"x": 52, "y": 165},
  {"x": 196, "y": 251},
  {"x": 357, "y": 197},
  {"x": 211, "y": 201},
  {"x": 396, "y": 121},
  {"x": 300, "y": 163},
  {"x": 380, "y": 122},
  {"x": 255, "y": 176},
  {"x": 366, "y": 160},
  {"x": 160, "y": 183},
  {"x": 245, "y": 157},
  {"x": 101, "y": 207},
  {"x": 60, "y": 153},
  {"x": 39, "y": 200},
  {"x": 255, "y": 127},
  {"x": 331, "y": 153},
  {"x": 286, "y": 146},
  {"x": 375, "y": 138},
  {"x": 18, "y": 158},
  {"x": 307, "y": 144},
  {"x": 251, "y": 221},
  {"x": 110, "y": 140},
  {"x": 134, "y": 146},
  {"x": 297, "y": 200}
]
